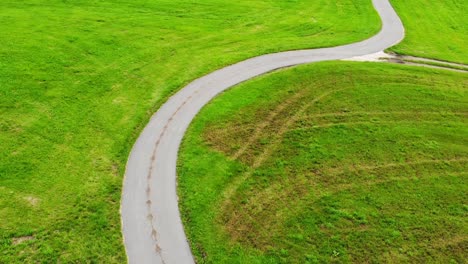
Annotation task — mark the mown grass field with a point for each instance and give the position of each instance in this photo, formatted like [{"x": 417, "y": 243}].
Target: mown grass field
[
  {"x": 434, "y": 29},
  {"x": 331, "y": 162},
  {"x": 79, "y": 80}
]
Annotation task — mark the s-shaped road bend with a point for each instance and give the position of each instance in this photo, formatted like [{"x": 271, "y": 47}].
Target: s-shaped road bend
[{"x": 151, "y": 224}]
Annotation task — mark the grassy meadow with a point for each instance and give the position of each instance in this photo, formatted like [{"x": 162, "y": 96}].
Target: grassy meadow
[
  {"x": 79, "y": 80},
  {"x": 330, "y": 163},
  {"x": 434, "y": 29}
]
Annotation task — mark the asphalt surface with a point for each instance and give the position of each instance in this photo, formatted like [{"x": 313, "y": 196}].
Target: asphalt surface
[{"x": 152, "y": 228}]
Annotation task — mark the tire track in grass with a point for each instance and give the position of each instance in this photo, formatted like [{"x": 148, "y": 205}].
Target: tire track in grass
[
  {"x": 286, "y": 202},
  {"x": 259, "y": 129},
  {"x": 380, "y": 113},
  {"x": 268, "y": 150},
  {"x": 360, "y": 168},
  {"x": 357, "y": 123}
]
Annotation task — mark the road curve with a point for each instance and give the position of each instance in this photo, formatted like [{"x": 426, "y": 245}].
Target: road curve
[{"x": 151, "y": 224}]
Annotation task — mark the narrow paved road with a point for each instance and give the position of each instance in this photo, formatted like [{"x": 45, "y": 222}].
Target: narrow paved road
[{"x": 152, "y": 228}]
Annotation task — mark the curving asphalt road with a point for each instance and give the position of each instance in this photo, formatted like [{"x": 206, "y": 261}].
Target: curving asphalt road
[{"x": 152, "y": 228}]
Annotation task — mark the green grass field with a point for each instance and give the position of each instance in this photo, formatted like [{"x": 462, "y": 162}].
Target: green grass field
[
  {"x": 79, "y": 80},
  {"x": 434, "y": 29},
  {"x": 331, "y": 162}
]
